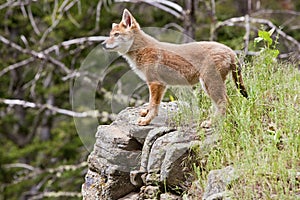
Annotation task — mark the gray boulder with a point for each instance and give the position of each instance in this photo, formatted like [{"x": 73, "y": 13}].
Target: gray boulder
[
  {"x": 128, "y": 158},
  {"x": 217, "y": 183}
]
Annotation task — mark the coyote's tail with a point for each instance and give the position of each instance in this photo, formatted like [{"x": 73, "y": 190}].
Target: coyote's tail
[{"x": 238, "y": 80}]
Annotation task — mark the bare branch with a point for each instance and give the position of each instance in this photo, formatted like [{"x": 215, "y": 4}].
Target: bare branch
[
  {"x": 56, "y": 20},
  {"x": 37, "y": 171},
  {"x": 267, "y": 11},
  {"x": 296, "y": 27},
  {"x": 177, "y": 26},
  {"x": 79, "y": 7},
  {"x": 39, "y": 55},
  {"x": 230, "y": 22},
  {"x": 233, "y": 21},
  {"x": 63, "y": 168},
  {"x": 213, "y": 8},
  {"x": 98, "y": 9},
  {"x": 83, "y": 40},
  {"x": 165, "y": 8},
  {"x": 247, "y": 34},
  {"x": 19, "y": 165},
  {"x": 70, "y": 5},
  {"x": 165, "y": 5},
  {"x": 16, "y": 65},
  {"x": 7, "y": 4},
  {"x": 249, "y": 6},
  {"x": 22, "y": 7},
  {"x": 171, "y": 4},
  {"x": 213, "y": 19},
  {"x": 27, "y": 104},
  {"x": 76, "y": 74},
  {"x": 278, "y": 30},
  {"x": 287, "y": 55},
  {"x": 33, "y": 82},
  {"x": 249, "y": 53},
  {"x": 15, "y": 4},
  {"x": 63, "y": 5},
  {"x": 25, "y": 41},
  {"x": 54, "y": 24},
  {"x": 68, "y": 43},
  {"x": 53, "y": 16},
  {"x": 73, "y": 20},
  {"x": 45, "y": 52},
  {"x": 31, "y": 19}
]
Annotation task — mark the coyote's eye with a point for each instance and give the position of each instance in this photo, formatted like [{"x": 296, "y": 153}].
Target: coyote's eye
[{"x": 116, "y": 34}]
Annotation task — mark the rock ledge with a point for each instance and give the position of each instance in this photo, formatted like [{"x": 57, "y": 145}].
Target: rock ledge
[{"x": 141, "y": 162}]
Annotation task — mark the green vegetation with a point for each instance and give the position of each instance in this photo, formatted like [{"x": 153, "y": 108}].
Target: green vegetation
[{"x": 260, "y": 136}]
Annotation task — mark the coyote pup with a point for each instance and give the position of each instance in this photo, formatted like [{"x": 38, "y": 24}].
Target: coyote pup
[{"x": 161, "y": 64}]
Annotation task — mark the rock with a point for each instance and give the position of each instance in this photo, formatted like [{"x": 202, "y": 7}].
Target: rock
[
  {"x": 168, "y": 196},
  {"x": 194, "y": 192},
  {"x": 114, "y": 155},
  {"x": 128, "y": 158},
  {"x": 91, "y": 189},
  {"x": 131, "y": 196},
  {"x": 218, "y": 181},
  {"x": 127, "y": 120},
  {"x": 117, "y": 151},
  {"x": 167, "y": 153},
  {"x": 149, "y": 192},
  {"x": 137, "y": 177},
  {"x": 151, "y": 138}
]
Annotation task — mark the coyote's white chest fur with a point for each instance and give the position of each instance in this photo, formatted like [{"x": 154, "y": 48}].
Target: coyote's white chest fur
[{"x": 133, "y": 66}]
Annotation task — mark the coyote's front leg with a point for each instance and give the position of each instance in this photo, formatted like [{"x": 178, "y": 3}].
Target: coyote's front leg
[{"x": 156, "y": 91}]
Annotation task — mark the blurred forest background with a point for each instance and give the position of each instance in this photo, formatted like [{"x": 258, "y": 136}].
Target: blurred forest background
[{"x": 43, "y": 44}]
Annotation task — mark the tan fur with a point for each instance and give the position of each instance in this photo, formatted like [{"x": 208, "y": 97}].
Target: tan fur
[{"x": 161, "y": 64}]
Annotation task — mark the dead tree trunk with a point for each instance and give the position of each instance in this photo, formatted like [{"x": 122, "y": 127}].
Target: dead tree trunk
[{"x": 189, "y": 19}]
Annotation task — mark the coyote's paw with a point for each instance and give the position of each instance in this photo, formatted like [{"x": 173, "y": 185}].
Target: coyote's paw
[
  {"x": 143, "y": 121},
  {"x": 144, "y": 112}
]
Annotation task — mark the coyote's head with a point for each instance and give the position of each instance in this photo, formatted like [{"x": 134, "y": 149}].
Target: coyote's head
[{"x": 122, "y": 35}]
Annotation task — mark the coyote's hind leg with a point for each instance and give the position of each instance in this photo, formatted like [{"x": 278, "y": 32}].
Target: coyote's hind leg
[{"x": 213, "y": 85}]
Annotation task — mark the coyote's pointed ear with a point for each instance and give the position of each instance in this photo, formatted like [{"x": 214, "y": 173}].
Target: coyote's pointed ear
[
  {"x": 114, "y": 25},
  {"x": 128, "y": 20}
]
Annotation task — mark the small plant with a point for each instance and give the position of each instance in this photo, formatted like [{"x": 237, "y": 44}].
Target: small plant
[{"x": 269, "y": 50}]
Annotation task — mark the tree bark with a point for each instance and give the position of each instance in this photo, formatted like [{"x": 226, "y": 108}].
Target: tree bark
[{"x": 189, "y": 19}]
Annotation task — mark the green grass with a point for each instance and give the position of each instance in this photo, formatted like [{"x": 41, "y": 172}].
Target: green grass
[{"x": 260, "y": 136}]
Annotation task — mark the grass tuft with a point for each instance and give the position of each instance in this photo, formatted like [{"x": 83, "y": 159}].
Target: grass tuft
[{"x": 260, "y": 136}]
